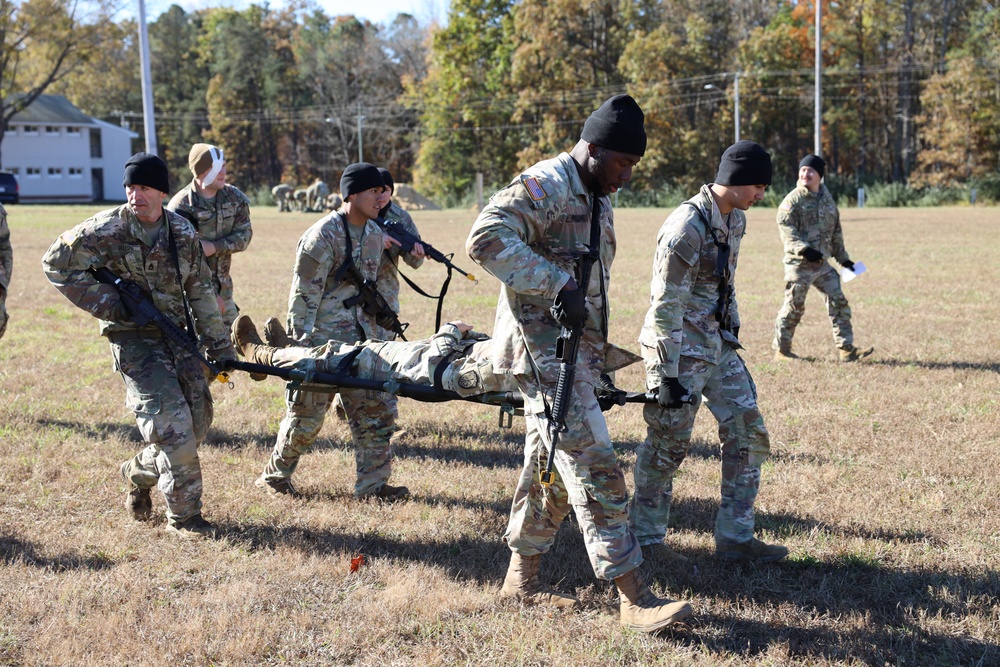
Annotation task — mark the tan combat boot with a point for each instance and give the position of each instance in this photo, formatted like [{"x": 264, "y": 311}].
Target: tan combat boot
[
  {"x": 661, "y": 554},
  {"x": 249, "y": 344},
  {"x": 785, "y": 354},
  {"x": 192, "y": 528},
  {"x": 277, "y": 487},
  {"x": 138, "y": 501},
  {"x": 852, "y": 353},
  {"x": 521, "y": 583},
  {"x": 754, "y": 550},
  {"x": 641, "y": 610},
  {"x": 275, "y": 334}
]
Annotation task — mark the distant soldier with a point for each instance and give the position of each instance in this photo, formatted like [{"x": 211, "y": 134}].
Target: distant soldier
[
  {"x": 301, "y": 197},
  {"x": 321, "y": 306},
  {"x": 809, "y": 223},
  {"x": 282, "y": 194},
  {"x": 164, "y": 386},
  {"x": 333, "y": 201},
  {"x": 689, "y": 341},
  {"x": 531, "y": 237},
  {"x": 316, "y": 195},
  {"x": 6, "y": 268},
  {"x": 221, "y": 215}
]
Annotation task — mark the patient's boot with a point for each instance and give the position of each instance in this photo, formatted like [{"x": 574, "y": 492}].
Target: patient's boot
[
  {"x": 275, "y": 334},
  {"x": 249, "y": 344}
]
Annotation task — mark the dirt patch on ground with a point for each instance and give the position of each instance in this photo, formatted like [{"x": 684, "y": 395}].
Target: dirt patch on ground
[{"x": 410, "y": 199}]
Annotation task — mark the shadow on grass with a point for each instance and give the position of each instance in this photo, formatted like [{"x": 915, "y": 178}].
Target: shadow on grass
[
  {"x": 938, "y": 365},
  {"x": 15, "y": 550},
  {"x": 127, "y": 432}
]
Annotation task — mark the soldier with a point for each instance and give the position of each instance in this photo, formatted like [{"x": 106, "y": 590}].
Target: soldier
[
  {"x": 282, "y": 194},
  {"x": 6, "y": 268},
  {"x": 164, "y": 386},
  {"x": 809, "y": 223},
  {"x": 221, "y": 215},
  {"x": 689, "y": 342},
  {"x": 530, "y": 237},
  {"x": 301, "y": 198},
  {"x": 388, "y": 273},
  {"x": 333, "y": 201},
  {"x": 317, "y": 313},
  {"x": 316, "y": 195}
]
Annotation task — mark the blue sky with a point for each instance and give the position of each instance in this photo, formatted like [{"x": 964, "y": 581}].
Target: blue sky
[{"x": 377, "y": 11}]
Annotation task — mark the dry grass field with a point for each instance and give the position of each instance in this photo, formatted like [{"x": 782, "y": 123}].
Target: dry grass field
[{"x": 883, "y": 483}]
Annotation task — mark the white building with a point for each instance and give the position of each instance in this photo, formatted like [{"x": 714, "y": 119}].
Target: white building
[{"x": 60, "y": 154}]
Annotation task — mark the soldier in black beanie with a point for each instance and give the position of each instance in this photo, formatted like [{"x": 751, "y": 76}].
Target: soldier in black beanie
[{"x": 692, "y": 294}]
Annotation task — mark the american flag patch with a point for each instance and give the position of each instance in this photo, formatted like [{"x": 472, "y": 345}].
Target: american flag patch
[{"x": 533, "y": 187}]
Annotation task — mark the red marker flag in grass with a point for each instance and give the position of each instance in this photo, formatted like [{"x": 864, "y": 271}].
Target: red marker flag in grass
[{"x": 357, "y": 562}]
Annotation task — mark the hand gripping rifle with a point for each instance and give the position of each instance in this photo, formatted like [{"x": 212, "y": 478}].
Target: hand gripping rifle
[
  {"x": 406, "y": 240},
  {"x": 567, "y": 346},
  {"x": 143, "y": 311}
]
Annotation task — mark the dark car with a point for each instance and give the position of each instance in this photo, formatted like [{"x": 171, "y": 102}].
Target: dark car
[{"x": 9, "y": 191}]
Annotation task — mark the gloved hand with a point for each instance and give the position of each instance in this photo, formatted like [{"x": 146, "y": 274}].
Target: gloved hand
[
  {"x": 121, "y": 313},
  {"x": 849, "y": 265},
  {"x": 570, "y": 307},
  {"x": 812, "y": 255},
  {"x": 223, "y": 355},
  {"x": 672, "y": 394},
  {"x": 736, "y": 331},
  {"x": 608, "y": 395}
]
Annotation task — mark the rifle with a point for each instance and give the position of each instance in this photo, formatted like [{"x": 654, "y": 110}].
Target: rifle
[
  {"x": 567, "y": 346},
  {"x": 372, "y": 302},
  {"x": 143, "y": 311},
  {"x": 406, "y": 240}
]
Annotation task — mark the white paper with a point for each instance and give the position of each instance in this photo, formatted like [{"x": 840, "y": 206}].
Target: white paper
[{"x": 848, "y": 275}]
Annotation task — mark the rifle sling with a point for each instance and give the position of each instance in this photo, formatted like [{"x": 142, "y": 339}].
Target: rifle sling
[
  {"x": 721, "y": 272},
  {"x": 172, "y": 243}
]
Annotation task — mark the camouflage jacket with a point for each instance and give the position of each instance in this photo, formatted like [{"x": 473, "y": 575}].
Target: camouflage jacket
[
  {"x": 684, "y": 291},
  {"x": 224, "y": 220},
  {"x": 810, "y": 220},
  {"x": 388, "y": 273},
  {"x": 115, "y": 239},
  {"x": 529, "y": 237},
  {"x": 316, "y": 310},
  {"x": 6, "y": 255}
]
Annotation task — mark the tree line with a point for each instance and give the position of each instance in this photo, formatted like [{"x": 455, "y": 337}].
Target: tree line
[{"x": 911, "y": 88}]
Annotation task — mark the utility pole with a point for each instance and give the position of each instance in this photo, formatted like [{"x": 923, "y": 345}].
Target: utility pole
[
  {"x": 149, "y": 125},
  {"x": 818, "y": 111},
  {"x": 736, "y": 103},
  {"x": 361, "y": 120}
]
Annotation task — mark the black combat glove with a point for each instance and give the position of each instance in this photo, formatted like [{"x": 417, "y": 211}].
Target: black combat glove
[
  {"x": 608, "y": 395},
  {"x": 570, "y": 307},
  {"x": 849, "y": 265},
  {"x": 812, "y": 255},
  {"x": 672, "y": 394},
  {"x": 736, "y": 331}
]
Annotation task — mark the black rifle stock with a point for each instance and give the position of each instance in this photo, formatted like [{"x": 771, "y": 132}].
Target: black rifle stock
[
  {"x": 372, "y": 302},
  {"x": 143, "y": 311},
  {"x": 406, "y": 240}
]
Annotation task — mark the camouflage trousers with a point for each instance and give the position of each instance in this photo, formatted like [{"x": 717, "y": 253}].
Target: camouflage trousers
[
  {"x": 825, "y": 278},
  {"x": 732, "y": 398},
  {"x": 588, "y": 480},
  {"x": 173, "y": 409},
  {"x": 371, "y": 420}
]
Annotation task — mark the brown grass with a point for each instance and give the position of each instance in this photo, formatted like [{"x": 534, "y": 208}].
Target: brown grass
[{"x": 882, "y": 482}]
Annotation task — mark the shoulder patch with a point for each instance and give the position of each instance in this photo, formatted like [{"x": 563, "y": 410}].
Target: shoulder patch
[
  {"x": 534, "y": 188},
  {"x": 69, "y": 237},
  {"x": 785, "y": 206}
]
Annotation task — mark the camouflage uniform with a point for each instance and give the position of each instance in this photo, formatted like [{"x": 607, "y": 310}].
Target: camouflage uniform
[
  {"x": 807, "y": 219},
  {"x": 529, "y": 237},
  {"x": 681, "y": 338},
  {"x": 301, "y": 198},
  {"x": 316, "y": 195},
  {"x": 6, "y": 267},
  {"x": 468, "y": 370},
  {"x": 316, "y": 314},
  {"x": 282, "y": 194},
  {"x": 165, "y": 386},
  {"x": 388, "y": 273},
  {"x": 225, "y": 221}
]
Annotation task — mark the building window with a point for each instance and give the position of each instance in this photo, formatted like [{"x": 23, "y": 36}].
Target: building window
[
  {"x": 72, "y": 132},
  {"x": 95, "y": 143},
  {"x": 31, "y": 130},
  {"x": 14, "y": 170},
  {"x": 11, "y": 131},
  {"x": 76, "y": 172},
  {"x": 55, "y": 172},
  {"x": 52, "y": 131},
  {"x": 33, "y": 172}
]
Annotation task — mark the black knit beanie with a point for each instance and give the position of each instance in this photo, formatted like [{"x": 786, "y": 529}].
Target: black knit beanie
[
  {"x": 618, "y": 126},
  {"x": 387, "y": 179},
  {"x": 359, "y": 177},
  {"x": 814, "y": 161},
  {"x": 149, "y": 170},
  {"x": 744, "y": 163}
]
